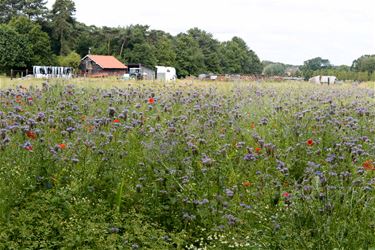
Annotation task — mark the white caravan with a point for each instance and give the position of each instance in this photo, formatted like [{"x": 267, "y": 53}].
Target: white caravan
[
  {"x": 323, "y": 79},
  {"x": 165, "y": 74}
]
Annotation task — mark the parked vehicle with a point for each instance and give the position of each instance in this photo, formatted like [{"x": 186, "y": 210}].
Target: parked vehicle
[
  {"x": 165, "y": 74},
  {"x": 140, "y": 72}
]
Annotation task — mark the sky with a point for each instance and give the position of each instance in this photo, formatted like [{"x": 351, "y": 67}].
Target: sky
[{"x": 288, "y": 31}]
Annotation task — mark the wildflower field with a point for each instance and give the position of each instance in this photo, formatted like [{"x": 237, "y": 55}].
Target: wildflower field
[{"x": 186, "y": 165}]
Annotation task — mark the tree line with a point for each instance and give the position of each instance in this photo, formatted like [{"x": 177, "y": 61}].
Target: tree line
[
  {"x": 31, "y": 34},
  {"x": 362, "y": 69}
]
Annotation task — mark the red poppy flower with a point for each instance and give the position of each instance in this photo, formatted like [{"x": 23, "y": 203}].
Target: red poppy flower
[
  {"x": 246, "y": 183},
  {"x": 151, "y": 100},
  {"x": 286, "y": 194},
  {"x": 29, "y": 148},
  {"x": 310, "y": 142},
  {"x": 31, "y": 134},
  {"x": 18, "y": 99},
  {"x": 258, "y": 150},
  {"x": 368, "y": 165},
  {"x": 30, "y": 99},
  {"x": 62, "y": 146},
  {"x": 252, "y": 125},
  {"x": 116, "y": 121}
]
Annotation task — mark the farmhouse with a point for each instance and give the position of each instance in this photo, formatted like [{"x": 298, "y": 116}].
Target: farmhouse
[{"x": 99, "y": 65}]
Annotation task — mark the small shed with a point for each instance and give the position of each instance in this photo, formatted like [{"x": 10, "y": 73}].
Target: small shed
[{"x": 101, "y": 65}]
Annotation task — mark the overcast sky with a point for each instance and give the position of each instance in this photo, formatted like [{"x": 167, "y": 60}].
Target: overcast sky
[{"x": 289, "y": 31}]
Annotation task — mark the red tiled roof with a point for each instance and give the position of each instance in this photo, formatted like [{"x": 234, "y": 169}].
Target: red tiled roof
[{"x": 107, "y": 62}]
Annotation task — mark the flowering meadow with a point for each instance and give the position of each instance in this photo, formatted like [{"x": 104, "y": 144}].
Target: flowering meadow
[{"x": 188, "y": 165}]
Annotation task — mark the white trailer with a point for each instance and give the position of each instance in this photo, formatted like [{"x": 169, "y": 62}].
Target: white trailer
[
  {"x": 323, "y": 79},
  {"x": 165, "y": 74},
  {"x": 52, "y": 72}
]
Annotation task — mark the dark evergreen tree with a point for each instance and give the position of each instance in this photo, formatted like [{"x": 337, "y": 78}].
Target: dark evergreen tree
[
  {"x": 10, "y": 9},
  {"x": 35, "y": 9},
  {"x": 63, "y": 25}
]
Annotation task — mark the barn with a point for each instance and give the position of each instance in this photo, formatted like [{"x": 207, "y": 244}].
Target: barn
[{"x": 100, "y": 65}]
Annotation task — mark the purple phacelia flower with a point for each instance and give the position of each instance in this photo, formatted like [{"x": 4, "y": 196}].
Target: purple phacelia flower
[{"x": 249, "y": 157}]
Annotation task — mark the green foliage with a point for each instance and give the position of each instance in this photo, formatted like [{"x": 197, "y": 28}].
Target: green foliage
[
  {"x": 164, "y": 52},
  {"x": 189, "y": 57},
  {"x": 137, "y": 43},
  {"x": 71, "y": 60},
  {"x": 316, "y": 63},
  {"x": 238, "y": 59},
  {"x": 361, "y": 69},
  {"x": 142, "y": 53},
  {"x": 62, "y": 16},
  {"x": 33, "y": 9},
  {"x": 15, "y": 51},
  {"x": 193, "y": 52},
  {"x": 372, "y": 77},
  {"x": 343, "y": 73},
  {"x": 37, "y": 40},
  {"x": 364, "y": 63},
  {"x": 10, "y": 9},
  {"x": 210, "y": 48},
  {"x": 275, "y": 69},
  {"x": 312, "y": 65}
]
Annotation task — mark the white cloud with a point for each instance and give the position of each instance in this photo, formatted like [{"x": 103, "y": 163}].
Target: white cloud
[{"x": 289, "y": 31}]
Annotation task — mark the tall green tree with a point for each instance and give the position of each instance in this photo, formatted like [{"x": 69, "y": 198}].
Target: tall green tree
[
  {"x": 364, "y": 63},
  {"x": 91, "y": 37},
  {"x": 316, "y": 63},
  {"x": 312, "y": 65},
  {"x": 189, "y": 57},
  {"x": 33, "y": 9},
  {"x": 84, "y": 38},
  {"x": 164, "y": 52},
  {"x": 237, "y": 58},
  {"x": 63, "y": 12},
  {"x": 125, "y": 40},
  {"x": 210, "y": 48},
  {"x": 163, "y": 47},
  {"x": 142, "y": 53},
  {"x": 35, "y": 39},
  {"x": 14, "y": 49},
  {"x": 10, "y": 9},
  {"x": 136, "y": 34}
]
